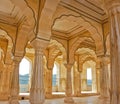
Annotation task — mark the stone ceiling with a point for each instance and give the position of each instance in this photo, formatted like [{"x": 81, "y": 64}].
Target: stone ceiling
[{"x": 72, "y": 19}]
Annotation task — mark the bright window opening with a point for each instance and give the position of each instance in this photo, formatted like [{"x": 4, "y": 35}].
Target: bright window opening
[
  {"x": 54, "y": 76},
  {"x": 89, "y": 76},
  {"x": 24, "y": 72}
]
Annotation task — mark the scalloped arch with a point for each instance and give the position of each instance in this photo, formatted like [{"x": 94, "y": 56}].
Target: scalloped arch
[
  {"x": 61, "y": 47},
  {"x": 7, "y": 36},
  {"x": 87, "y": 25}
]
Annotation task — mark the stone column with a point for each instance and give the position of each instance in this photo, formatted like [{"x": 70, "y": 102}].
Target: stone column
[
  {"x": 49, "y": 70},
  {"x": 104, "y": 78},
  {"x": 37, "y": 93},
  {"x": 113, "y": 8},
  {"x": 60, "y": 74},
  {"x": 94, "y": 78},
  {"x": 76, "y": 79},
  {"x": 68, "y": 98},
  {"x": 80, "y": 82},
  {"x": 77, "y": 82},
  {"x": 84, "y": 79},
  {"x": 79, "y": 69},
  {"x": 49, "y": 83},
  {"x": 6, "y": 84},
  {"x": 0, "y": 81},
  {"x": 98, "y": 76},
  {"x": 14, "y": 93}
]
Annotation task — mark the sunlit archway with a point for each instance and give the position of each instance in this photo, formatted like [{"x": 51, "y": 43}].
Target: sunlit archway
[
  {"x": 89, "y": 82},
  {"x": 58, "y": 79},
  {"x": 24, "y": 75}
]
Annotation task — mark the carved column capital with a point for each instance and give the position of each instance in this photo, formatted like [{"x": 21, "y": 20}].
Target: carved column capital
[
  {"x": 98, "y": 64},
  {"x": 17, "y": 59},
  {"x": 39, "y": 44},
  {"x": 80, "y": 67},
  {"x": 103, "y": 59},
  {"x": 68, "y": 66},
  {"x": 50, "y": 63}
]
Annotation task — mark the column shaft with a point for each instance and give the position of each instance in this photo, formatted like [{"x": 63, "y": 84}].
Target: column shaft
[
  {"x": 14, "y": 93},
  {"x": 104, "y": 78},
  {"x": 113, "y": 8},
  {"x": 98, "y": 79},
  {"x": 49, "y": 83},
  {"x": 37, "y": 95},
  {"x": 68, "y": 98}
]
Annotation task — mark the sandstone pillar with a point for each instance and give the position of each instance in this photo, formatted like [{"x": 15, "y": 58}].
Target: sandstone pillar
[
  {"x": 80, "y": 82},
  {"x": 1, "y": 81},
  {"x": 84, "y": 79},
  {"x": 6, "y": 84},
  {"x": 49, "y": 83},
  {"x": 78, "y": 79},
  {"x": 104, "y": 78},
  {"x": 37, "y": 93},
  {"x": 113, "y": 8},
  {"x": 94, "y": 80},
  {"x": 98, "y": 76},
  {"x": 60, "y": 74},
  {"x": 77, "y": 82},
  {"x": 14, "y": 93},
  {"x": 68, "y": 98}
]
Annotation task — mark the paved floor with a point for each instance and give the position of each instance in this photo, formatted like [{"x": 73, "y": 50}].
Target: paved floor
[{"x": 78, "y": 100}]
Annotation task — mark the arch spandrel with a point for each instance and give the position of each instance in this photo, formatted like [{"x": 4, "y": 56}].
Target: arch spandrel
[
  {"x": 45, "y": 21},
  {"x": 54, "y": 49}
]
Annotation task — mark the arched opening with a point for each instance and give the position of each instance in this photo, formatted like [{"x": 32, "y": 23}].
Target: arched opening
[
  {"x": 58, "y": 79},
  {"x": 55, "y": 78},
  {"x": 24, "y": 75},
  {"x": 89, "y": 79}
]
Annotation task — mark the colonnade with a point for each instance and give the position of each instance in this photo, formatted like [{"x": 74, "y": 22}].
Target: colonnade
[
  {"x": 37, "y": 86},
  {"x": 37, "y": 92},
  {"x": 107, "y": 89}
]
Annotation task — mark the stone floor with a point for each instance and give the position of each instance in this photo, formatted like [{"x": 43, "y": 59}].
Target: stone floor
[{"x": 78, "y": 100}]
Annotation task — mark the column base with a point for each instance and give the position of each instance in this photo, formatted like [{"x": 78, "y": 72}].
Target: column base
[
  {"x": 13, "y": 101},
  {"x": 48, "y": 96},
  {"x": 36, "y": 102},
  {"x": 114, "y": 99},
  {"x": 101, "y": 97},
  {"x": 69, "y": 100}
]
